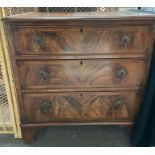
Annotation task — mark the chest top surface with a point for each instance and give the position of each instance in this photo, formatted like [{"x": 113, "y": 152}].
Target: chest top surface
[{"x": 120, "y": 15}]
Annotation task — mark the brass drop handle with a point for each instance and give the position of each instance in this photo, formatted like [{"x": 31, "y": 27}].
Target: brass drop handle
[
  {"x": 38, "y": 40},
  {"x": 125, "y": 41},
  {"x": 53, "y": 34},
  {"x": 44, "y": 106},
  {"x": 117, "y": 103},
  {"x": 43, "y": 75},
  {"x": 122, "y": 72}
]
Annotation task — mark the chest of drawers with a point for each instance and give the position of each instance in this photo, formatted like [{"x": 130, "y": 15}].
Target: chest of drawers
[{"x": 75, "y": 69}]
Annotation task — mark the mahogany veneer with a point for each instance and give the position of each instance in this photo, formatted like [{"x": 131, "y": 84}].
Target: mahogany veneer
[{"x": 72, "y": 69}]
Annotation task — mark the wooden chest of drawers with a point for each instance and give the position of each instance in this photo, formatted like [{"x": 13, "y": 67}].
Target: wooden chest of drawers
[{"x": 76, "y": 69}]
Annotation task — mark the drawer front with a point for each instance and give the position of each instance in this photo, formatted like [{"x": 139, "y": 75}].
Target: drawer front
[
  {"x": 82, "y": 73},
  {"x": 81, "y": 106},
  {"x": 80, "y": 40}
]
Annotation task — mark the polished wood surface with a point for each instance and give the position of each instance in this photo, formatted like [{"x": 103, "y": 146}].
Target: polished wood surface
[
  {"x": 81, "y": 106},
  {"x": 107, "y": 16},
  {"x": 79, "y": 69},
  {"x": 82, "y": 73},
  {"x": 80, "y": 40}
]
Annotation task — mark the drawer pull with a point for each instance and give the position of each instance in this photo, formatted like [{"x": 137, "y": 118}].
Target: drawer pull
[
  {"x": 117, "y": 103},
  {"x": 43, "y": 75},
  {"x": 38, "y": 42},
  {"x": 122, "y": 72},
  {"x": 125, "y": 41},
  {"x": 81, "y": 29},
  {"x": 44, "y": 106}
]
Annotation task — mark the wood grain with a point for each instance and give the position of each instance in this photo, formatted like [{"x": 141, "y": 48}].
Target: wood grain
[
  {"x": 79, "y": 70},
  {"x": 82, "y": 73},
  {"x": 80, "y": 40},
  {"x": 82, "y": 106}
]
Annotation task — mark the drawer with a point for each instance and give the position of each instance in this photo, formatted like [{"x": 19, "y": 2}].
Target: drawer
[
  {"x": 82, "y": 73},
  {"x": 80, "y": 40},
  {"x": 81, "y": 106}
]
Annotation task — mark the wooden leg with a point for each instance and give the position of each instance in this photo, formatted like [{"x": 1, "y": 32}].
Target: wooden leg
[
  {"x": 28, "y": 134},
  {"x": 129, "y": 129}
]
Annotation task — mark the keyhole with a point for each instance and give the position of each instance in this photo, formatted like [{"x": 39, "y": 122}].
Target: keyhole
[
  {"x": 81, "y": 94},
  {"x": 81, "y": 29},
  {"x": 81, "y": 62}
]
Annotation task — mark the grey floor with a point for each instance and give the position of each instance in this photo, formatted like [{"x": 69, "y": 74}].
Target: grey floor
[{"x": 74, "y": 136}]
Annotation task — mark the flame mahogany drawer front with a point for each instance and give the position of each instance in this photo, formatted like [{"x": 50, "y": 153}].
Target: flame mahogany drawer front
[
  {"x": 82, "y": 73},
  {"x": 84, "y": 40},
  {"x": 73, "y": 70},
  {"x": 81, "y": 106}
]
